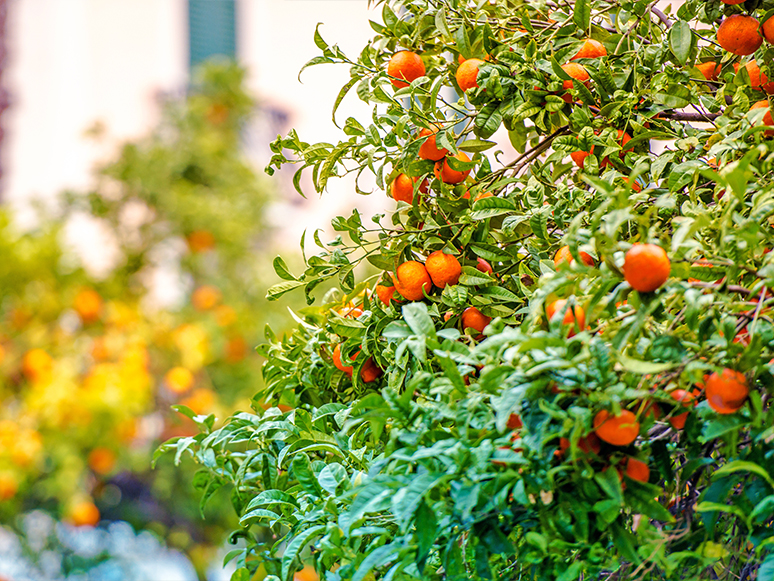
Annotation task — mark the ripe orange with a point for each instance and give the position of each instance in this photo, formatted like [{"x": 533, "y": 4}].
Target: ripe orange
[
  {"x": 88, "y": 305},
  {"x": 739, "y": 34},
  {"x": 472, "y": 318},
  {"x": 467, "y": 73},
  {"x": 205, "y": 297},
  {"x": 619, "y": 430},
  {"x": 200, "y": 241},
  {"x": 579, "y": 157},
  {"x": 684, "y": 397},
  {"x": 732, "y": 2},
  {"x": 179, "y": 379},
  {"x": 591, "y": 49},
  {"x": 348, "y": 369},
  {"x": 767, "y": 120},
  {"x": 428, "y": 149},
  {"x": 590, "y": 444},
  {"x": 385, "y": 293},
  {"x": 483, "y": 266},
  {"x": 370, "y": 371},
  {"x": 200, "y": 401},
  {"x": 710, "y": 70},
  {"x": 84, "y": 513},
  {"x": 443, "y": 268},
  {"x": 577, "y": 72},
  {"x": 514, "y": 422},
  {"x": 102, "y": 460},
  {"x": 758, "y": 80},
  {"x": 236, "y": 349},
  {"x": 637, "y": 470},
  {"x": 646, "y": 267},
  {"x": 37, "y": 365},
  {"x": 412, "y": 280},
  {"x": 448, "y": 175},
  {"x": 405, "y": 65},
  {"x": 636, "y": 187},
  {"x": 402, "y": 189},
  {"x": 563, "y": 255},
  {"x": 726, "y": 391},
  {"x": 768, "y": 30},
  {"x": 9, "y": 486},
  {"x": 306, "y": 574},
  {"x": 572, "y": 315}
]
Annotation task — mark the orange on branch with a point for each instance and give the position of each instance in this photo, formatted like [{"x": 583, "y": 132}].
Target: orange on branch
[
  {"x": 758, "y": 80},
  {"x": 767, "y": 120},
  {"x": 402, "y": 189},
  {"x": 337, "y": 362},
  {"x": 483, "y": 266},
  {"x": 710, "y": 70},
  {"x": 738, "y": 34},
  {"x": 726, "y": 391},
  {"x": 370, "y": 371},
  {"x": 472, "y": 318},
  {"x": 637, "y": 470},
  {"x": 687, "y": 399},
  {"x": 563, "y": 255},
  {"x": 591, "y": 49},
  {"x": 385, "y": 293},
  {"x": 443, "y": 268},
  {"x": 467, "y": 74},
  {"x": 405, "y": 65},
  {"x": 619, "y": 430},
  {"x": 448, "y": 175},
  {"x": 577, "y": 72},
  {"x": 768, "y": 30},
  {"x": 429, "y": 150},
  {"x": 412, "y": 280},
  {"x": 571, "y": 316},
  {"x": 646, "y": 267}
]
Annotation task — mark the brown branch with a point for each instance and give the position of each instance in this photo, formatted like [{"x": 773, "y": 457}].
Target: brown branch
[
  {"x": 661, "y": 16},
  {"x": 688, "y": 116}
]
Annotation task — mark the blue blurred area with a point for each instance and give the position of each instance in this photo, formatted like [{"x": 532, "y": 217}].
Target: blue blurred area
[
  {"x": 52, "y": 551},
  {"x": 211, "y": 30}
]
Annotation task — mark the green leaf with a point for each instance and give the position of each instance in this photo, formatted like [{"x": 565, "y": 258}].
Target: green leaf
[
  {"x": 476, "y": 145},
  {"x": 643, "y": 367},
  {"x": 295, "y": 546},
  {"x": 241, "y": 574},
  {"x": 609, "y": 482},
  {"x": 581, "y": 15},
  {"x": 744, "y": 466},
  {"x": 281, "y": 269},
  {"x": 681, "y": 41},
  {"x": 418, "y": 319}
]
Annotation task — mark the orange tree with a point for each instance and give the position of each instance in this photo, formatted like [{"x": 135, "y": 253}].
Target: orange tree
[{"x": 561, "y": 367}]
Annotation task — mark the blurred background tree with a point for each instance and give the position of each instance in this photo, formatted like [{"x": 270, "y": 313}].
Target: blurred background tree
[{"x": 90, "y": 363}]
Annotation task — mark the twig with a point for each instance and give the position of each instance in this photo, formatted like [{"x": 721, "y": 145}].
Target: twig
[{"x": 661, "y": 16}]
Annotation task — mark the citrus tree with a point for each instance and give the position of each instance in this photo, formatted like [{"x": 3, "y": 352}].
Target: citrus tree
[
  {"x": 549, "y": 358},
  {"x": 90, "y": 364}
]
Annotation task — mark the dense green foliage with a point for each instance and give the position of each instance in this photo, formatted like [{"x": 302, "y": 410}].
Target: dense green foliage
[{"x": 476, "y": 457}]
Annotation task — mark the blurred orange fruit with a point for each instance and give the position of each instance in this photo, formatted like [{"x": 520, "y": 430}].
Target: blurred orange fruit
[
  {"x": 179, "y": 379},
  {"x": 637, "y": 470},
  {"x": 236, "y": 349},
  {"x": 37, "y": 365},
  {"x": 577, "y": 72},
  {"x": 84, "y": 513},
  {"x": 225, "y": 315},
  {"x": 200, "y": 241},
  {"x": 205, "y": 297},
  {"x": 88, "y": 305},
  {"x": 102, "y": 460},
  {"x": 472, "y": 318},
  {"x": 9, "y": 486},
  {"x": 619, "y": 430},
  {"x": 348, "y": 369},
  {"x": 201, "y": 401},
  {"x": 726, "y": 391},
  {"x": 571, "y": 316},
  {"x": 563, "y": 255},
  {"x": 402, "y": 189}
]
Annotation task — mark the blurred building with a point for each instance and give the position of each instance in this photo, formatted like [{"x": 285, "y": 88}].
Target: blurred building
[{"x": 73, "y": 65}]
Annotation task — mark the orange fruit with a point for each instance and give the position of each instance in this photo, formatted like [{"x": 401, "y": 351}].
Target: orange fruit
[
  {"x": 768, "y": 30},
  {"x": 225, "y": 316},
  {"x": 514, "y": 422},
  {"x": 205, "y": 297},
  {"x": 348, "y": 369},
  {"x": 200, "y": 241},
  {"x": 738, "y": 34},
  {"x": 467, "y": 73},
  {"x": 236, "y": 349},
  {"x": 726, "y": 391},
  {"x": 306, "y": 574},
  {"x": 179, "y": 379},
  {"x": 637, "y": 470},
  {"x": 732, "y": 2},
  {"x": 758, "y": 80},
  {"x": 402, "y": 189},
  {"x": 572, "y": 316},
  {"x": 577, "y": 72},
  {"x": 482, "y": 196},
  {"x": 636, "y": 187},
  {"x": 767, "y": 120},
  {"x": 84, "y": 513},
  {"x": 591, "y": 49},
  {"x": 37, "y": 365},
  {"x": 443, "y": 268},
  {"x": 99, "y": 349},
  {"x": 88, "y": 305},
  {"x": 412, "y": 280},
  {"x": 385, "y": 293},
  {"x": 619, "y": 430},
  {"x": 405, "y": 65},
  {"x": 589, "y": 444},
  {"x": 563, "y": 255},
  {"x": 646, "y": 267},
  {"x": 200, "y": 401},
  {"x": 472, "y": 318},
  {"x": 483, "y": 266},
  {"x": 370, "y": 371},
  {"x": 102, "y": 460},
  {"x": 9, "y": 486},
  {"x": 579, "y": 157},
  {"x": 428, "y": 149},
  {"x": 684, "y": 397},
  {"x": 710, "y": 70},
  {"x": 448, "y": 175}
]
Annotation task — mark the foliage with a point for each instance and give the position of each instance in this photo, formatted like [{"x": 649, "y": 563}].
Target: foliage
[
  {"x": 478, "y": 456},
  {"x": 90, "y": 364}
]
